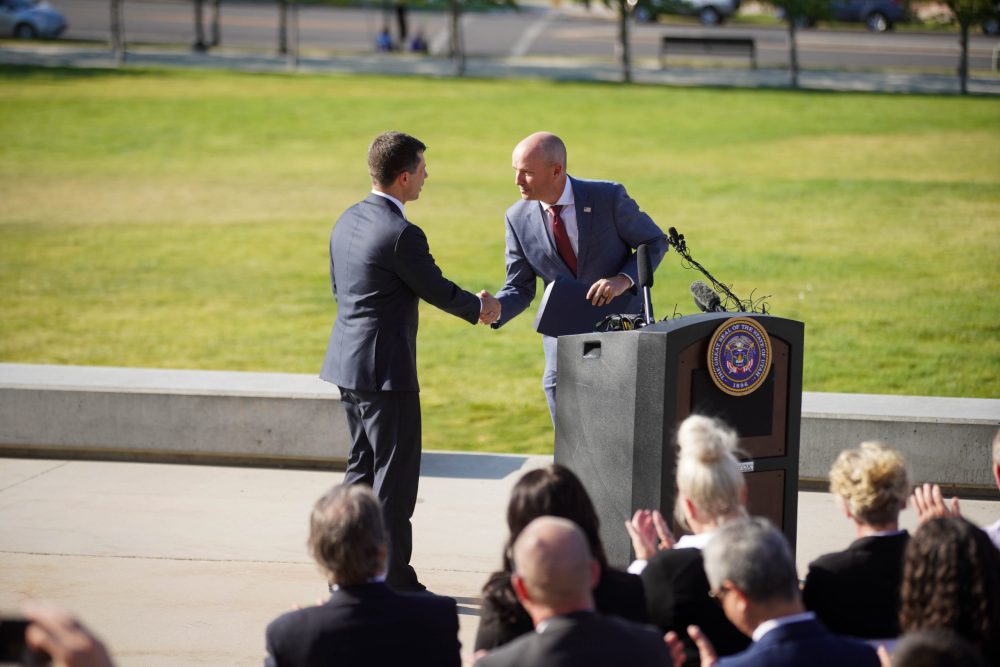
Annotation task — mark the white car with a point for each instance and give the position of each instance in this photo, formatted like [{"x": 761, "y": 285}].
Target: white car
[{"x": 30, "y": 19}]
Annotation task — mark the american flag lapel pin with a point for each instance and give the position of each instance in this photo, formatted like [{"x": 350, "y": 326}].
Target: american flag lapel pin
[{"x": 586, "y": 209}]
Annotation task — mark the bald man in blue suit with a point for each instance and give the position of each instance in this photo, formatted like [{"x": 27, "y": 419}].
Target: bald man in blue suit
[{"x": 566, "y": 227}]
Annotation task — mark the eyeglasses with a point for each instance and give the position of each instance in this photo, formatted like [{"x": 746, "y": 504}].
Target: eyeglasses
[{"x": 719, "y": 594}]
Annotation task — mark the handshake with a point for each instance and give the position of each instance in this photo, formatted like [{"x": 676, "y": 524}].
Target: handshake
[{"x": 490, "y": 311}]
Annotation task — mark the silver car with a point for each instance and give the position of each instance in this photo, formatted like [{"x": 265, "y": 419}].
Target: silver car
[{"x": 30, "y": 19}]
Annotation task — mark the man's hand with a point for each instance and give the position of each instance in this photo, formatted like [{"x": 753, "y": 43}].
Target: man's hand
[
  {"x": 606, "y": 289},
  {"x": 649, "y": 533},
  {"x": 706, "y": 652},
  {"x": 61, "y": 636},
  {"x": 490, "y": 312},
  {"x": 930, "y": 504}
]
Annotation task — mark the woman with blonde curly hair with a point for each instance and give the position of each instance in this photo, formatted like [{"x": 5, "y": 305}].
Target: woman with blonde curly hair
[{"x": 856, "y": 591}]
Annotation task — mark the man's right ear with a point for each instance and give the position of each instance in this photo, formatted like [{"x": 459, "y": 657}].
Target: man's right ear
[{"x": 520, "y": 590}]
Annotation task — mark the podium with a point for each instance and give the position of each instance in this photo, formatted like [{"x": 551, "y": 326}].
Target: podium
[{"x": 621, "y": 395}]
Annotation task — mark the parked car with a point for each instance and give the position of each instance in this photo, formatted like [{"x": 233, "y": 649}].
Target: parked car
[
  {"x": 878, "y": 15},
  {"x": 991, "y": 26},
  {"x": 30, "y": 19},
  {"x": 709, "y": 12}
]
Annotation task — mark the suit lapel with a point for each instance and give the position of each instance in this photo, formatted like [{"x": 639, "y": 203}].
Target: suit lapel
[
  {"x": 584, "y": 222},
  {"x": 538, "y": 227}
]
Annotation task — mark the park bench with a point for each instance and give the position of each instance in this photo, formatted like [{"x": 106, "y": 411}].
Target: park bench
[{"x": 708, "y": 46}]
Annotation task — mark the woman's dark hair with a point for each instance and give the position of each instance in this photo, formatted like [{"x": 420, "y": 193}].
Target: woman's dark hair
[
  {"x": 553, "y": 491},
  {"x": 951, "y": 579}
]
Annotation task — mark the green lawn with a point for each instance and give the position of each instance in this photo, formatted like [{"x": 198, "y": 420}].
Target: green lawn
[{"x": 180, "y": 219}]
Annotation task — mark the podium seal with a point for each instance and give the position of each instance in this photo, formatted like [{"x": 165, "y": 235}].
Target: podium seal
[{"x": 739, "y": 356}]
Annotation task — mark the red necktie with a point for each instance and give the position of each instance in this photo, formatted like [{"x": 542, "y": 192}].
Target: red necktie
[{"x": 563, "y": 245}]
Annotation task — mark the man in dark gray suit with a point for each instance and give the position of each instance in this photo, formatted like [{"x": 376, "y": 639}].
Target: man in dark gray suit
[
  {"x": 364, "y": 622},
  {"x": 554, "y": 574},
  {"x": 566, "y": 227},
  {"x": 380, "y": 268}
]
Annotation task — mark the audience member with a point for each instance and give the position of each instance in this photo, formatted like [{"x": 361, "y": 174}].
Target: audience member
[
  {"x": 935, "y": 648},
  {"x": 951, "y": 580},
  {"x": 553, "y": 577},
  {"x": 856, "y": 591},
  {"x": 364, "y": 622},
  {"x": 64, "y": 639},
  {"x": 553, "y": 491},
  {"x": 383, "y": 41},
  {"x": 710, "y": 491},
  {"x": 419, "y": 43},
  {"x": 752, "y": 573}
]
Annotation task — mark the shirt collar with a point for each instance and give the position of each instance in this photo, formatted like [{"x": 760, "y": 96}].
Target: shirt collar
[
  {"x": 566, "y": 198},
  {"x": 374, "y": 580},
  {"x": 395, "y": 201},
  {"x": 694, "y": 541},
  {"x": 775, "y": 623}
]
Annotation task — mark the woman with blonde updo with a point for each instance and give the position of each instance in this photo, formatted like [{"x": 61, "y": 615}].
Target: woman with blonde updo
[
  {"x": 856, "y": 591},
  {"x": 710, "y": 491}
]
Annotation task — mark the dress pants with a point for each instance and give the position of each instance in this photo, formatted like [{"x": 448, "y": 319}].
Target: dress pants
[{"x": 385, "y": 454}]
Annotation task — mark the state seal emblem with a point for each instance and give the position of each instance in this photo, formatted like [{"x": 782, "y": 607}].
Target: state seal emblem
[{"x": 739, "y": 356}]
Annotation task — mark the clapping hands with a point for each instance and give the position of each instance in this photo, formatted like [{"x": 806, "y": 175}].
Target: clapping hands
[
  {"x": 490, "y": 311},
  {"x": 649, "y": 532}
]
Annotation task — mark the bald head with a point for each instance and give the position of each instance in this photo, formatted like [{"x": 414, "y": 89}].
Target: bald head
[
  {"x": 539, "y": 162},
  {"x": 552, "y": 559}
]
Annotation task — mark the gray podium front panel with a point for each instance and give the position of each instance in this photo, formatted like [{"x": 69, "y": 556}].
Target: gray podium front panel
[{"x": 620, "y": 396}]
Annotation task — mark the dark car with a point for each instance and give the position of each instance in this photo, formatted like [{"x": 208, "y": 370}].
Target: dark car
[
  {"x": 878, "y": 15},
  {"x": 709, "y": 12}
]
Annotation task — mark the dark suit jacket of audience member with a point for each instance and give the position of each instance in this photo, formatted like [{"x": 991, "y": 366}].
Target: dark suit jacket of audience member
[
  {"x": 503, "y": 618},
  {"x": 856, "y": 591},
  {"x": 582, "y": 639},
  {"x": 677, "y": 596},
  {"x": 368, "y": 625},
  {"x": 806, "y": 643}
]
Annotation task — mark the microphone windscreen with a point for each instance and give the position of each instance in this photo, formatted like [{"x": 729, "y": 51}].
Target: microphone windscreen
[
  {"x": 645, "y": 273},
  {"x": 673, "y": 235},
  {"x": 704, "y": 297}
]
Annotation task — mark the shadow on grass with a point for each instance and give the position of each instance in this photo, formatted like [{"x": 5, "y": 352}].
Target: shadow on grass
[{"x": 42, "y": 73}]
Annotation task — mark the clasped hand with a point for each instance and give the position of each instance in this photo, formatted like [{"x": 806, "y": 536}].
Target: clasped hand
[{"x": 490, "y": 311}]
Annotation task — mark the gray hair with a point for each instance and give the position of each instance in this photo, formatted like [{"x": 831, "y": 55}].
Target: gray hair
[
  {"x": 347, "y": 533},
  {"x": 755, "y": 557}
]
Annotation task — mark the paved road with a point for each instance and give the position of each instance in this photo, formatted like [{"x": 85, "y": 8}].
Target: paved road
[{"x": 536, "y": 31}]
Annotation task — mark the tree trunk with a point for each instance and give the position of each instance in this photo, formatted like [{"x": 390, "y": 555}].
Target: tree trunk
[
  {"x": 457, "y": 45},
  {"x": 963, "y": 59},
  {"x": 283, "y": 27},
  {"x": 199, "y": 27},
  {"x": 216, "y": 23},
  {"x": 623, "y": 41},
  {"x": 117, "y": 32},
  {"x": 793, "y": 53}
]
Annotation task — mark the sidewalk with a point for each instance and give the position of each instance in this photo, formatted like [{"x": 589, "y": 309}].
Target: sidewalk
[
  {"x": 186, "y": 565},
  {"x": 559, "y": 69}
]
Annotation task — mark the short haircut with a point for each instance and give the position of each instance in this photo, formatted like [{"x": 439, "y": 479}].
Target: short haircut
[
  {"x": 552, "y": 559},
  {"x": 553, "y": 149},
  {"x": 392, "y": 153},
  {"x": 346, "y": 533},
  {"x": 753, "y": 555},
  {"x": 872, "y": 481},
  {"x": 708, "y": 472}
]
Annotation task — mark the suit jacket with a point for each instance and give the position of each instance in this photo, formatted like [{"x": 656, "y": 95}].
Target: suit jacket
[
  {"x": 677, "y": 596},
  {"x": 608, "y": 232},
  {"x": 583, "y": 639},
  {"x": 367, "y": 625},
  {"x": 503, "y": 619},
  {"x": 804, "y": 643},
  {"x": 856, "y": 591},
  {"x": 380, "y": 268}
]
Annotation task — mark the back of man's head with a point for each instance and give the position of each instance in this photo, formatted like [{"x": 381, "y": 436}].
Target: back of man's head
[
  {"x": 553, "y": 561},
  {"x": 755, "y": 557},
  {"x": 347, "y": 535},
  {"x": 392, "y": 153}
]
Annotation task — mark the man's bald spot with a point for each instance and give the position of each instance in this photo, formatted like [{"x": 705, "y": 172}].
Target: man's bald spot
[
  {"x": 546, "y": 145},
  {"x": 553, "y": 559}
]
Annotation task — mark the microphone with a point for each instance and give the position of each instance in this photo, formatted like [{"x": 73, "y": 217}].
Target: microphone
[
  {"x": 705, "y": 298},
  {"x": 645, "y": 280},
  {"x": 673, "y": 236}
]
